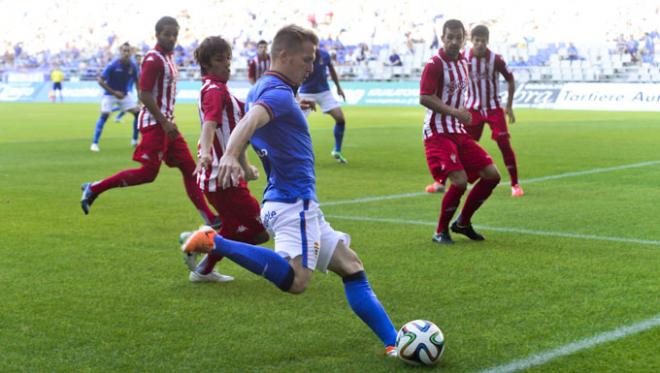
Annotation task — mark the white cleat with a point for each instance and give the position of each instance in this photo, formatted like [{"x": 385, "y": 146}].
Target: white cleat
[
  {"x": 211, "y": 277},
  {"x": 95, "y": 148}
]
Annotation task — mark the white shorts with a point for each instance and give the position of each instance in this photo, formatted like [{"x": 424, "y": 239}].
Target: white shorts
[
  {"x": 125, "y": 104},
  {"x": 299, "y": 229},
  {"x": 326, "y": 100}
]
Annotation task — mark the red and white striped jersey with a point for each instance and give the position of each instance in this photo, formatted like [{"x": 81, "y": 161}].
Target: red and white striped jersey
[
  {"x": 158, "y": 76},
  {"x": 484, "y": 90},
  {"x": 218, "y": 105},
  {"x": 448, "y": 79},
  {"x": 257, "y": 67}
]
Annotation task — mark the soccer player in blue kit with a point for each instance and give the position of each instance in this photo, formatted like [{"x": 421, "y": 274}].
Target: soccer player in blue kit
[
  {"x": 116, "y": 81},
  {"x": 304, "y": 242},
  {"x": 316, "y": 88}
]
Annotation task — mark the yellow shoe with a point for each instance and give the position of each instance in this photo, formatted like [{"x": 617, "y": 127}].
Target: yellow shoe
[{"x": 201, "y": 241}]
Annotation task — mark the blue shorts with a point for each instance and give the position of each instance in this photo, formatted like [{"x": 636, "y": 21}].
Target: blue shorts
[{"x": 57, "y": 86}]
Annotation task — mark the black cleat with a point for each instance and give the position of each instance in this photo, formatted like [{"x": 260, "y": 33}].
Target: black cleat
[
  {"x": 467, "y": 231},
  {"x": 443, "y": 238}
]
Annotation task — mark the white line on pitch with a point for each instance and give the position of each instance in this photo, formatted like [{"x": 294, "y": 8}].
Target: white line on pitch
[
  {"x": 571, "y": 348},
  {"x": 506, "y": 230},
  {"x": 525, "y": 181}
]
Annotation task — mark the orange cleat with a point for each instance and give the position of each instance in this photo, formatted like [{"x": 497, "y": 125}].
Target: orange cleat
[
  {"x": 201, "y": 241},
  {"x": 436, "y": 187},
  {"x": 517, "y": 191},
  {"x": 391, "y": 351}
]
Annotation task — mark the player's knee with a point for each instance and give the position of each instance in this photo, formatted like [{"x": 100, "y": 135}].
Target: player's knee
[
  {"x": 492, "y": 174},
  {"x": 345, "y": 261},
  {"x": 458, "y": 180},
  {"x": 149, "y": 173},
  {"x": 260, "y": 238}
]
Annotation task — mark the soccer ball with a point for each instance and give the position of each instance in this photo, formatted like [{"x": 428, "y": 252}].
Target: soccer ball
[{"x": 420, "y": 342}]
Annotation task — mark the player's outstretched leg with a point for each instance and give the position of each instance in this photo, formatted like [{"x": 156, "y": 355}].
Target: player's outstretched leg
[
  {"x": 98, "y": 130},
  {"x": 145, "y": 174},
  {"x": 361, "y": 297},
  {"x": 258, "y": 260}
]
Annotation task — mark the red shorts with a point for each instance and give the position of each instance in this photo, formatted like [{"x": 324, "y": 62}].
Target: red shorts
[
  {"x": 239, "y": 211},
  {"x": 156, "y": 147},
  {"x": 495, "y": 119},
  {"x": 454, "y": 152}
]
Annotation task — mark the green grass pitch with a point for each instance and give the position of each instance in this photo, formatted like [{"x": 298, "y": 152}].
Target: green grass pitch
[{"x": 109, "y": 291}]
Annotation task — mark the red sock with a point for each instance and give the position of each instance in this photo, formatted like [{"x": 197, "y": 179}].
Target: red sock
[
  {"x": 135, "y": 176},
  {"x": 509, "y": 158},
  {"x": 211, "y": 260},
  {"x": 476, "y": 198},
  {"x": 450, "y": 203},
  {"x": 195, "y": 194}
]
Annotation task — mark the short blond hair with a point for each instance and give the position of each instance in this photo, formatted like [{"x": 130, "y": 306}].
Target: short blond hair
[{"x": 291, "y": 38}]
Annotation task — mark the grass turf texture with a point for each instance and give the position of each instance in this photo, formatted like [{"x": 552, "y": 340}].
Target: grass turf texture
[{"x": 109, "y": 291}]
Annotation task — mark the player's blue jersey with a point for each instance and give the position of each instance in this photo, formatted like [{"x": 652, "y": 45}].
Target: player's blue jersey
[
  {"x": 317, "y": 81},
  {"x": 120, "y": 77},
  {"x": 284, "y": 144}
]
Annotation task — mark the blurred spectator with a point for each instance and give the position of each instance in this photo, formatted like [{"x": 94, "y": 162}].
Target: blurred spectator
[
  {"x": 395, "y": 59},
  {"x": 572, "y": 53}
]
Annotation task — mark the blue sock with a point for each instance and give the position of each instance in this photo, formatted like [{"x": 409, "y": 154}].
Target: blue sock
[
  {"x": 135, "y": 129},
  {"x": 120, "y": 115},
  {"x": 99, "y": 126},
  {"x": 258, "y": 260},
  {"x": 364, "y": 303},
  {"x": 339, "y": 135}
]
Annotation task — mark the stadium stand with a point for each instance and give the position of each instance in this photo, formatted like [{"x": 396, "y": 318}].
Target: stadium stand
[{"x": 81, "y": 37}]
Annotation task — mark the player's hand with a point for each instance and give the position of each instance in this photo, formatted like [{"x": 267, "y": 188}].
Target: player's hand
[
  {"x": 118, "y": 94},
  {"x": 230, "y": 172},
  {"x": 464, "y": 116},
  {"x": 341, "y": 93},
  {"x": 509, "y": 113},
  {"x": 307, "y": 105},
  {"x": 170, "y": 130},
  {"x": 252, "y": 173},
  {"x": 203, "y": 164}
]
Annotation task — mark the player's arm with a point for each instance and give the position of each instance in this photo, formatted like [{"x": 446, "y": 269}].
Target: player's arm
[
  {"x": 509, "y": 100},
  {"x": 205, "y": 144},
  {"x": 150, "y": 103},
  {"x": 500, "y": 65},
  {"x": 230, "y": 171},
  {"x": 251, "y": 172},
  {"x": 151, "y": 70},
  {"x": 335, "y": 78},
  {"x": 430, "y": 83},
  {"x": 106, "y": 86},
  {"x": 434, "y": 103}
]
